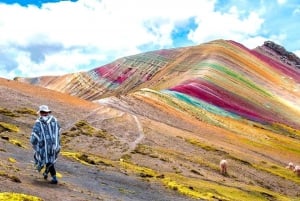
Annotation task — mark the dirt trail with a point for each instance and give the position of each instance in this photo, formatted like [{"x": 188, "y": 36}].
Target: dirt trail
[
  {"x": 78, "y": 182},
  {"x": 140, "y": 132},
  {"x": 120, "y": 105}
]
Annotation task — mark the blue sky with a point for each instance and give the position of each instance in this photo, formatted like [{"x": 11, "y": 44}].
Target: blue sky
[{"x": 58, "y": 37}]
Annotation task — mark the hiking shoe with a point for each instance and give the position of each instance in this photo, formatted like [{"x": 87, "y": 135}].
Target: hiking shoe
[
  {"x": 53, "y": 181},
  {"x": 45, "y": 175}
]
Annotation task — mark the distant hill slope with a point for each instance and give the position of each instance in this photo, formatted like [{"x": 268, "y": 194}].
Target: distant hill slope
[{"x": 221, "y": 76}]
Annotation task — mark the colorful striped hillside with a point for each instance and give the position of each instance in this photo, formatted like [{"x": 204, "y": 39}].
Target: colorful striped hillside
[
  {"x": 175, "y": 113},
  {"x": 222, "y": 74}
]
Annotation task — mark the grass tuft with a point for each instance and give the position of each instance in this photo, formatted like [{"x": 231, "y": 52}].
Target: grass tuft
[
  {"x": 10, "y": 196},
  {"x": 82, "y": 127},
  {"x": 7, "y": 112},
  {"x": 25, "y": 110},
  {"x": 8, "y": 127}
]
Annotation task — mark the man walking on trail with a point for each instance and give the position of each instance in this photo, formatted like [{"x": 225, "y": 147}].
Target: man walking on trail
[{"x": 45, "y": 140}]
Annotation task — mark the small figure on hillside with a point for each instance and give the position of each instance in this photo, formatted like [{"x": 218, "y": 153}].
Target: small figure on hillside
[
  {"x": 290, "y": 166},
  {"x": 223, "y": 167},
  {"x": 45, "y": 140},
  {"x": 297, "y": 170}
]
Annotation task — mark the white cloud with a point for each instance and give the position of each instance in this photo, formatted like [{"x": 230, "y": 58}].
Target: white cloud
[
  {"x": 254, "y": 42},
  {"x": 226, "y": 26},
  {"x": 61, "y": 37},
  {"x": 281, "y": 2},
  {"x": 64, "y": 37}
]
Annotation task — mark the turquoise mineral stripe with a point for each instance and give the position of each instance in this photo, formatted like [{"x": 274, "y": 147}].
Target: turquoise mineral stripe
[{"x": 201, "y": 104}]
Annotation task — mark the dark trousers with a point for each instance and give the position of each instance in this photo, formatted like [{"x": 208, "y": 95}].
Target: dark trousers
[{"x": 50, "y": 169}]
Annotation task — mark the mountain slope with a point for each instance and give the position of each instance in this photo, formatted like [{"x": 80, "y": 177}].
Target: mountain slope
[
  {"x": 220, "y": 74},
  {"x": 170, "y": 116},
  {"x": 79, "y": 179},
  {"x": 106, "y": 149}
]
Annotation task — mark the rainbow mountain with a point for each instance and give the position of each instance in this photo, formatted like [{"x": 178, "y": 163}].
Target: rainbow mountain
[
  {"x": 223, "y": 78},
  {"x": 169, "y": 116}
]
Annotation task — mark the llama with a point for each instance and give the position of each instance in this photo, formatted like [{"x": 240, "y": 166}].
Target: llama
[
  {"x": 290, "y": 166},
  {"x": 223, "y": 167},
  {"x": 297, "y": 170}
]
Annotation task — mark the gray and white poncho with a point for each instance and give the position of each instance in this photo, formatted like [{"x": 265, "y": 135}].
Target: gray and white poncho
[{"x": 45, "y": 140}]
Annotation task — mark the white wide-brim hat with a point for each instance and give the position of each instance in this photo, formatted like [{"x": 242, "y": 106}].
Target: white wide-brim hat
[{"x": 44, "y": 108}]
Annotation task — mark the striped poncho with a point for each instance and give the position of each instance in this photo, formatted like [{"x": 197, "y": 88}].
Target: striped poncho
[{"x": 45, "y": 140}]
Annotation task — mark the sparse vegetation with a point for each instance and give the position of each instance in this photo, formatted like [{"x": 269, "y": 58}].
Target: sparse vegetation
[
  {"x": 200, "y": 144},
  {"x": 8, "y": 127},
  {"x": 207, "y": 190},
  {"x": 196, "y": 172},
  {"x": 11, "y": 177},
  {"x": 278, "y": 171},
  {"x": 25, "y": 110},
  {"x": 7, "y": 112},
  {"x": 286, "y": 130},
  {"x": 126, "y": 157},
  {"x": 85, "y": 158},
  {"x": 12, "y": 160},
  {"x": 143, "y": 149},
  {"x": 17, "y": 143},
  {"x": 82, "y": 127},
  {"x": 88, "y": 159},
  {"x": 141, "y": 171},
  {"x": 10, "y": 196}
]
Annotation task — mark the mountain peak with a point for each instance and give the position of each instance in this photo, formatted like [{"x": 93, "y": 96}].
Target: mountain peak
[{"x": 280, "y": 53}]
